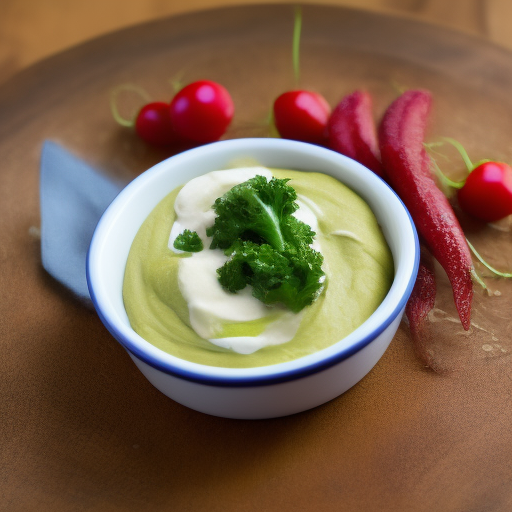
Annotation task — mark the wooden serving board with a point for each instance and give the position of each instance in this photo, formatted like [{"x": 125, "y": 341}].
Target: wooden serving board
[{"x": 81, "y": 428}]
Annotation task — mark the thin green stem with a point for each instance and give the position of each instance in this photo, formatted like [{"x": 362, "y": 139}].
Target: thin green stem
[
  {"x": 398, "y": 87},
  {"x": 431, "y": 145},
  {"x": 464, "y": 155},
  {"x": 114, "y": 94},
  {"x": 447, "y": 181},
  {"x": 485, "y": 264},
  {"x": 478, "y": 279},
  {"x": 460, "y": 148},
  {"x": 177, "y": 81},
  {"x": 297, "y": 27}
]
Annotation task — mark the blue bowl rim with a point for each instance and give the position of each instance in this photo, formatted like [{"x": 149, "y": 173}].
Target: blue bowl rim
[{"x": 259, "y": 380}]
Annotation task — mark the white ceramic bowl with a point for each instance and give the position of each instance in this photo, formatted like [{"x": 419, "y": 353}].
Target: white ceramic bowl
[{"x": 268, "y": 391}]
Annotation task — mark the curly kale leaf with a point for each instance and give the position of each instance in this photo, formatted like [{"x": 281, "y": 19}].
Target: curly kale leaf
[
  {"x": 253, "y": 210},
  {"x": 292, "y": 278},
  {"x": 188, "y": 241},
  {"x": 268, "y": 248}
]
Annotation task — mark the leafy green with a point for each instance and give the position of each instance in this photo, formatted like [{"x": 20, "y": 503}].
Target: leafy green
[
  {"x": 268, "y": 248},
  {"x": 188, "y": 241}
]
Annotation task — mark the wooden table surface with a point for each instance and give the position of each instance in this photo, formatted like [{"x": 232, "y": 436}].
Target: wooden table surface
[
  {"x": 31, "y": 30},
  {"x": 81, "y": 429}
]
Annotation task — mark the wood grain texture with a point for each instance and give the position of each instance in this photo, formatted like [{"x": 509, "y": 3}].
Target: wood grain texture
[
  {"x": 32, "y": 30},
  {"x": 81, "y": 429}
]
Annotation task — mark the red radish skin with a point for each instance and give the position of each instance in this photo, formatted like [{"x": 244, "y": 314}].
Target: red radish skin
[
  {"x": 351, "y": 131},
  {"x": 407, "y": 168},
  {"x": 202, "y": 111},
  {"x": 153, "y": 124},
  {"x": 487, "y": 192},
  {"x": 302, "y": 115}
]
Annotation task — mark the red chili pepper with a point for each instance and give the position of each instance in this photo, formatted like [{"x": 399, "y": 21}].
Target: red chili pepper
[
  {"x": 423, "y": 295},
  {"x": 421, "y": 302},
  {"x": 407, "y": 168},
  {"x": 351, "y": 131}
]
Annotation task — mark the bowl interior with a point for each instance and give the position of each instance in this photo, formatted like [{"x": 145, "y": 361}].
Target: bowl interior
[{"x": 119, "y": 224}]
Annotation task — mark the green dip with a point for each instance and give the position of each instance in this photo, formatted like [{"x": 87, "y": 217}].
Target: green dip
[{"x": 357, "y": 262}]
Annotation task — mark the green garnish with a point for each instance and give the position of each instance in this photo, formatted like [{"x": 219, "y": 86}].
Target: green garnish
[
  {"x": 188, "y": 241},
  {"x": 268, "y": 247}
]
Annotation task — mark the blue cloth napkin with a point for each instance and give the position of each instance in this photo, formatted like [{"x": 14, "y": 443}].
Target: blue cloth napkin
[{"x": 73, "y": 197}]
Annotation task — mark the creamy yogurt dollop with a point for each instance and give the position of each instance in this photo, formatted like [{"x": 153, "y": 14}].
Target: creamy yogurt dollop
[{"x": 214, "y": 311}]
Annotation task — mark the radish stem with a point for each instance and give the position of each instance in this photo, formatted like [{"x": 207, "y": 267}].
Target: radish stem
[
  {"x": 297, "y": 26},
  {"x": 485, "y": 264},
  {"x": 113, "y": 102}
]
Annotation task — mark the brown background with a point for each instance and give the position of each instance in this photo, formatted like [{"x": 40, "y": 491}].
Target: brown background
[
  {"x": 31, "y": 30},
  {"x": 81, "y": 429}
]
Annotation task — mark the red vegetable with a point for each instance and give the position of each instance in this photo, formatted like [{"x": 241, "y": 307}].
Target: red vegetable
[
  {"x": 153, "y": 124},
  {"x": 423, "y": 295},
  {"x": 487, "y": 193},
  {"x": 421, "y": 302},
  {"x": 351, "y": 131},
  {"x": 202, "y": 111},
  {"x": 302, "y": 115},
  {"x": 407, "y": 168}
]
